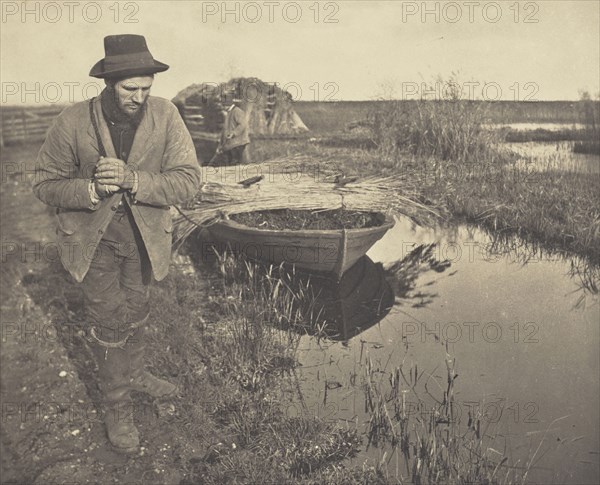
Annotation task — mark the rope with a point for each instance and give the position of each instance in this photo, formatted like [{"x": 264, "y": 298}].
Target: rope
[{"x": 101, "y": 148}]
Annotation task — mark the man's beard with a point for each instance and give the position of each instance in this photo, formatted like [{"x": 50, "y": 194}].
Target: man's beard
[
  {"x": 131, "y": 116},
  {"x": 130, "y": 109},
  {"x": 127, "y": 109}
]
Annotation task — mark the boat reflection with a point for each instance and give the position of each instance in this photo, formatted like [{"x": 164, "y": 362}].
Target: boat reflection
[{"x": 348, "y": 307}]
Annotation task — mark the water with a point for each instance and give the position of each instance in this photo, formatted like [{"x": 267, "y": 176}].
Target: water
[
  {"x": 525, "y": 345},
  {"x": 543, "y": 156},
  {"x": 537, "y": 126}
]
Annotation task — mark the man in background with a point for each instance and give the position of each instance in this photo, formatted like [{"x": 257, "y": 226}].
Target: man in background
[{"x": 235, "y": 136}]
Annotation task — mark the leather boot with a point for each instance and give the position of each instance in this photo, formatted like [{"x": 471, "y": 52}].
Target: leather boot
[
  {"x": 114, "y": 376},
  {"x": 140, "y": 379}
]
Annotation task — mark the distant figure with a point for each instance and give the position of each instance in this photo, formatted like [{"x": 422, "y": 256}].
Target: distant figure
[{"x": 235, "y": 138}]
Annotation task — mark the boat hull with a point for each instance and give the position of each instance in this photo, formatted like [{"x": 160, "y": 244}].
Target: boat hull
[{"x": 330, "y": 251}]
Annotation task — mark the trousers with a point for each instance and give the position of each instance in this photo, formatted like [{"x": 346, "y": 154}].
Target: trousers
[
  {"x": 237, "y": 155},
  {"x": 116, "y": 287}
]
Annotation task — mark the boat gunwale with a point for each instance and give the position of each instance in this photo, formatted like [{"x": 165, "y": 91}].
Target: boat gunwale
[{"x": 387, "y": 224}]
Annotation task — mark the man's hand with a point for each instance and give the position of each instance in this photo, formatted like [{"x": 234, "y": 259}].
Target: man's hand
[
  {"x": 112, "y": 171},
  {"x": 103, "y": 190}
]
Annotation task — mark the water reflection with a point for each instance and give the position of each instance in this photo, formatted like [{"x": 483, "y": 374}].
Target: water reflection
[
  {"x": 358, "y": 301},
  {"x": 367, "y": 292},
  {"x": 404, "y": 272}
]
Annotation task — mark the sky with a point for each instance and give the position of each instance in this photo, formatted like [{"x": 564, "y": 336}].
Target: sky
[{"x": 327, "y": 51}]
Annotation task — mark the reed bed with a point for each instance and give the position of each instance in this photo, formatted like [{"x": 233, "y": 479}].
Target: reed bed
[
  {"x": 297, "y": 183},
  {"x": 448, "y": 129}
]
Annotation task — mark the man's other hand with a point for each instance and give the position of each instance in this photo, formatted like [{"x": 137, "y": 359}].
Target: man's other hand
[
  {"x": 113, "y": 171},
  {"x": 104, "y": 190}
]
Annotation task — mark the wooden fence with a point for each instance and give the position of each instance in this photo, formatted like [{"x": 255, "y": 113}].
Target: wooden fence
[{"x": 26, "y": 124}]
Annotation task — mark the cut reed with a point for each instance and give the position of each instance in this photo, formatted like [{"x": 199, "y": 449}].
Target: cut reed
[{"x": 297, "y": 183}]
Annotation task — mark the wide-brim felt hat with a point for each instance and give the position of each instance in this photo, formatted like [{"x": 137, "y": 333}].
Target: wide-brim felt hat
[{"x": 126, "y": 55}]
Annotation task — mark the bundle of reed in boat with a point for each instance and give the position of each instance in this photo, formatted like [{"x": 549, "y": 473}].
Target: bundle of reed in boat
[{"x": 294, "y": 183}]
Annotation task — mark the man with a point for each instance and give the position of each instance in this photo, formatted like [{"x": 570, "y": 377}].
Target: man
[
  {"x": 235, "y": 137},
  {"x": 112, "y": 166}
]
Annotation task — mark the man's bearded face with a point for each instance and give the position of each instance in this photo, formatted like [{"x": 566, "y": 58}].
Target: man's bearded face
[{"x": 132, "y": 93}]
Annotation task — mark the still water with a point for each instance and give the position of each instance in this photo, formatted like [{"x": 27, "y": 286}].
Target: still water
[
  {"x": 543, "y": 156},
  {"x": 522, "y": 333},
  {"x": 537, "y": 126}
]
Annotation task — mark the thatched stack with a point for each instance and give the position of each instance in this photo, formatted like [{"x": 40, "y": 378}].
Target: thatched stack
[{"x": 269, "y": 109}]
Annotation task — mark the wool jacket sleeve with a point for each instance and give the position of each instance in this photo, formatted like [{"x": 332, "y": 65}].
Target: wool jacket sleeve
[
  {"x": 180, "y": 176},
  {"x": 57, "y": 181}
]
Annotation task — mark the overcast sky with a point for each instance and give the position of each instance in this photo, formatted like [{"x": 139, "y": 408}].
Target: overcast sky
[{"x": 344, "y": 50}]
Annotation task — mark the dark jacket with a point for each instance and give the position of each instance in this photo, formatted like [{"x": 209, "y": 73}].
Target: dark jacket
[{"x": 164, "y": 156}]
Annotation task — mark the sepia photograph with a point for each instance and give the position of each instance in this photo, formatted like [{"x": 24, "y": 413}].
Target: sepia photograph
[{"x": 304, "y": 242}]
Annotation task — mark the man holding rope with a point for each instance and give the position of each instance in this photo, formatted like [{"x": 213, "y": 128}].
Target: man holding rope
[{"x": 112, "y": 166}]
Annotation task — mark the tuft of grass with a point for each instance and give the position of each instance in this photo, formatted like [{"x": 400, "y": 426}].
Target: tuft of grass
[{"x": 262, "y": 317}]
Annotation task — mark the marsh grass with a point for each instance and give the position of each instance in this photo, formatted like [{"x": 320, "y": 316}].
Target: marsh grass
[
  {"x": 557, "y": 209},
  {"x": 433, "y": 445},
  {"x": 265, "y": 313},
  {"x": 448, "y": 130}
]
